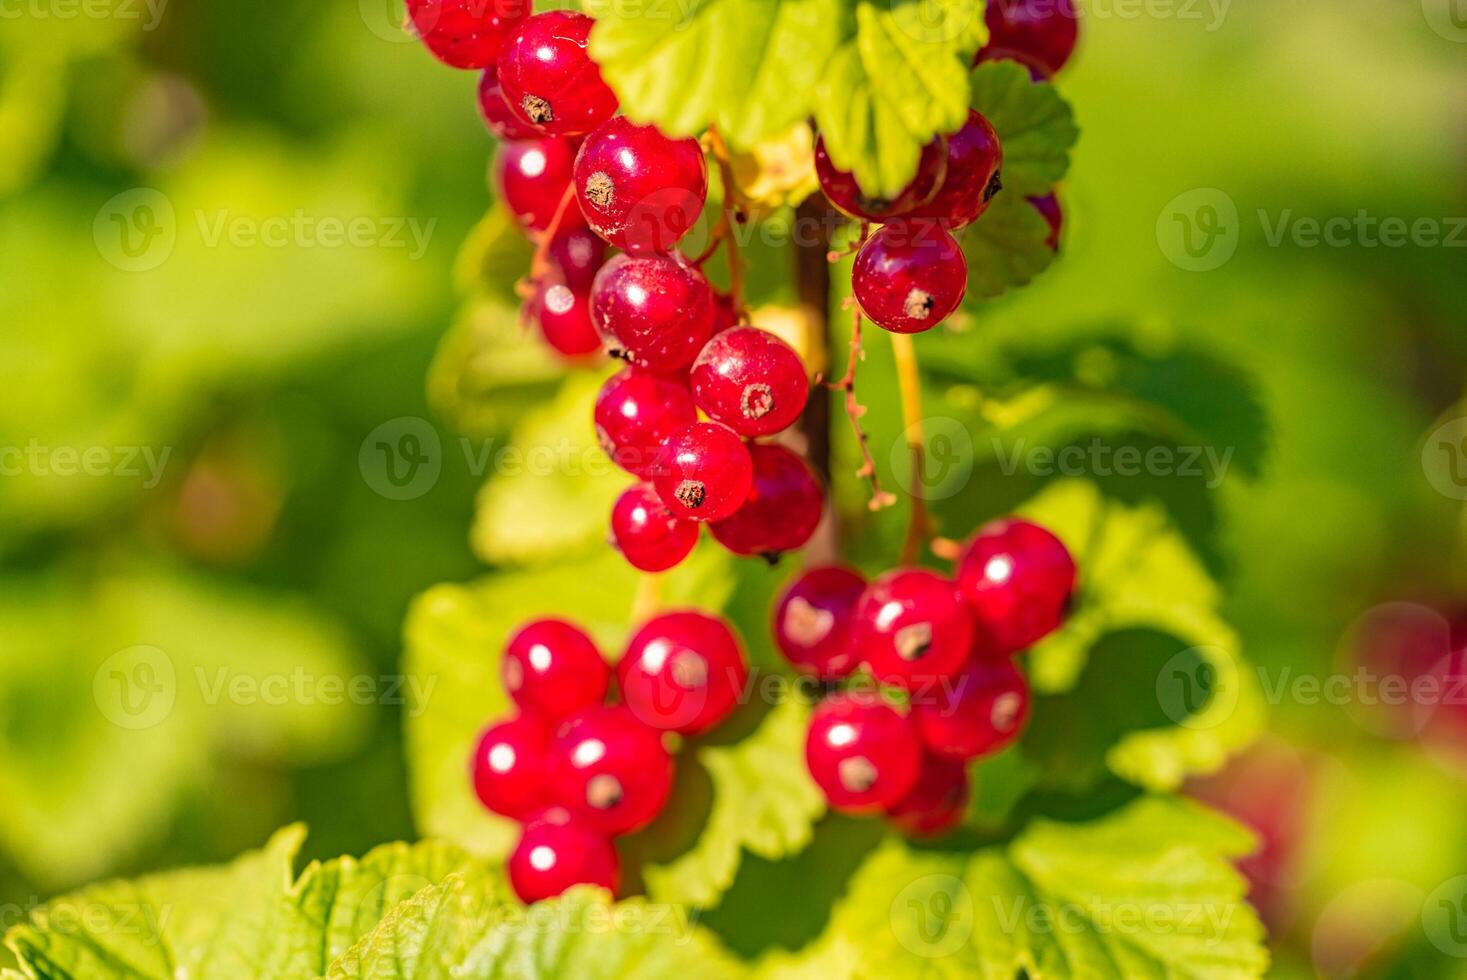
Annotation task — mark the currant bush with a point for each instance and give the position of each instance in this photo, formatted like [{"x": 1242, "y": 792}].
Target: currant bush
[
  {"x": 638, "y": 189},
  {"x": 553, "y": 669},
  {"x": 466, "y": 33},
  {"x": 704, "y": 472},
  {"x": 509, "y": 767},
  {"x": 653, "y": 310},
  {"x": 556, "y": 853},
  {"x": 813, "y": 621},
  {"x": 1018, "y": 579},
  {"x": 549, "y": 80},
  {"x": 636, "y": 413},
  {"x": 862, "y": 753},
  {"x": 909, "y": 277},
  {"x": 751, "y": 381},
  {"x": 982, "y": 711},
  {"x": 647, "y": 534},
  {"x": 782, "y": 510},
  {"x": 610, "y": 770},
  {"x": 532, "y": 177},
  {"x": 683, "y": 672},
  {"x": 912, "y": 628}
]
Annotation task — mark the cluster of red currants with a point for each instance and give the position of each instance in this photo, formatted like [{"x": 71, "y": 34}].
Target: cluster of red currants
[
  {"x": 577, "y": 771},
  {"x": 947, "y": 645}
]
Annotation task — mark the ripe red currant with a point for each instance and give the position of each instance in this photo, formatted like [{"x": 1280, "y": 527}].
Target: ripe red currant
[
  {"x": 974, "y": 158},
  {"x": 509, "y": 767},
  {"x": 843, "y": 191},
  {"x": 610, "y": 770},
  {"x": 812, "y": 623},
  {"x": 565, "y": 320},
  {"x": 861, "y": 752},
  {"x": 640, "y": 190},
  {"x": 657, "y": 310},
  {"x": 782, "y": 510},
  {"x": 532, "y": 177},
  {"x": 912, "y": 628},
  {"x": 549, "y": 80},
  {"x": 978, "y": 712},
  {"x": 909, "y": 276},
  {"x": 935, "y": 804},
  {"x": 1049, "y": 207},
  {"x": 502, "y": 122},
  {"x": 552, "y": 669},
  {"x": 635, "y": 414},
  {"x": 556, "y": 853},
  {"x": 646, "y": 533},
  {"x": 704, "y": 472},
  {"x": 578, "y": 255},
  {"x": 751, "y": 381},
  {"x": 725, "y": 316},
  {"x": 682, "y": 672},
  {"x": 1042, "y": 30},
  {"x": 1017, "y": 577},
  {"x": 466, "y": 33}
]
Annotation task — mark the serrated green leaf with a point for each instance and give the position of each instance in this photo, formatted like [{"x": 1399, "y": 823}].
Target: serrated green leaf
[
  {"x": 552, "y": 488},
  {"x": 1005, "y": 247},
  {"x": 489, "y": 368},
  {"x": 1033, "y": 122}
]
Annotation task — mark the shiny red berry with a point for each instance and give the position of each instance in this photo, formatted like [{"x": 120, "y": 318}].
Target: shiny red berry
[
  {"x": 646, "y": 532},
  {"x": 496, "y": 113},
  {"x": 532, "y": 177},
  {"x": 912, "y": 628},
  {"x": 548, "y": 78},
  {"x": 936, "y": 803},
  {"x": 1018, "y": 578},
  {"x": 578, "y": 255},
  {"x": 725, "y": 316},
  {"x": 1042, "y": 30},
  {"x": 655, "y": 310},
  {"x": 640, "y": 190},
  {"x": 974, "y": 158},
  {"x": 683, "y": 672},
  {"x": 751, "y": 381},
  {"x": 610, "y": 770},
  {"x": 812, "y": 623},
  {"x": 704, "y": 472},
  {"x": 861, "y": 752},
  {"x": 1049, "y": 207},
  {"x": 556, "y": 853},
  {"x": 977, "y": 712},
  {"x": 466, "y": 33},
  {"x": 509, "y": 767},
  {"x": 909, "y": 276},
  {"x": 552, "y": 669},
  {"x": 782, "y": 510},
  {"x": 565, "y": 320},
  {"x": 843, "y": 191},
  {"x": 636, "y": 412}
]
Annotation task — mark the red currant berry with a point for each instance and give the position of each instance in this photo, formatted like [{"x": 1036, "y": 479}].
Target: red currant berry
[
  {"x": 556, "y": 853},
  {"x": 751, "y": 381},
  {"x": 683, "y": 672},
  {"x": 704, "y": 472},
  {"x": 977, "y": 712},
  {"x": 843, "y": 191},
  {"x": 509, "y": 767},
  {"x": 1049, "y": 207},
  {"x": 812, "y": 623},
  {"x": 861, "y": 752},
  {"x": 912, "y": 628},
  {"x": 646, "y": 533},
  {"x": 909, "y": 277},
  {"x": 1042, "y": 30},
  {"x": 936, "y": 803},
  {"x": 610, "y": 770},
  {"x": 974, "y": 158},
  {"x": 635, "y": 414},
  {"x": 565, "y": 320},
  {"x": 781, "y": 512},
  {"x": 502, "y": 122},
  {"x": 657, "y": 310},
  {"x": 552, "y": 669},
  {"x": 549, "y": 80},
  {"x": 578, "y": 255},
  {"x": 1018, "y": 578},
  {"x": 640, "y": 190},
  {"x": 532, "y": 177},
  {"x": 466, "y": 33}
]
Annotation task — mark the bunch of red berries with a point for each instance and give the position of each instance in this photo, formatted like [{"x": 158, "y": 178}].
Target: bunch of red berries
[
  {"x": 577, "y": 771},
  {"x": 947, "y": 645}
]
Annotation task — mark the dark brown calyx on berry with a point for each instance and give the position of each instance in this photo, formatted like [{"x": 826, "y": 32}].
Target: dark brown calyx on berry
[
  {"x": 856, "y": 774},
  {"x": 757, "y": 400},
  {"x": 918, "y": 305},
  {"x": 913, "y": 642},
  {"x": 691, "y": 493},
  {"x": 806, "y": 624},
  {"x": 603, "y": 791},
  {"x": 600, "y": 190},
  {"x": 995, "y": 184},
  {"x": 537, "y": 109}
]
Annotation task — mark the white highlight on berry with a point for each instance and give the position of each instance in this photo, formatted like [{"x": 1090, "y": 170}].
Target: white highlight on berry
[
  {"x": 501, "y": 758},
  {"x": 533, "y": 163},
  {"x": 841, "y": 735},
  {"x": 542, "y": 858},
  {"x": 589, "y": 752},
  {"x": 998, "y": 569}
]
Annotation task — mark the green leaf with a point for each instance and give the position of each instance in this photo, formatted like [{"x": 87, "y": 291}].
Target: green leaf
[
  {"x": 552, "y": 489},
  {"x": 898, "y": 81},
  {"x": 749, "y": 67},
  {"x": 494, "y": 256},
  {"x": 754, "y": 795},
  {"x": 488, "y": 368},
  {"x": 1145, "y": 892},
  {"x": 251, "y": 919},
  {"x": 456, "y": 635},
  {"x": 1033, "y": 122},
  {"x": 1005, "y": 247}
]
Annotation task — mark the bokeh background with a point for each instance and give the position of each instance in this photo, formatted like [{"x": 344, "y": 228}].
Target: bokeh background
[{"x": 194, "y": 368}]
